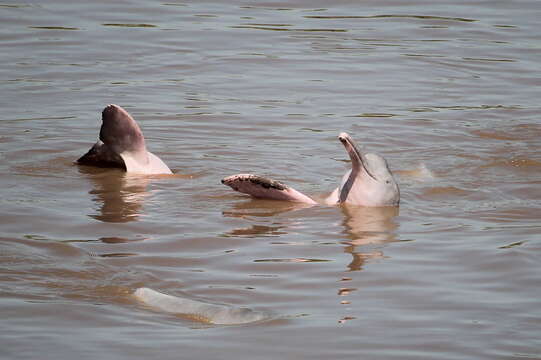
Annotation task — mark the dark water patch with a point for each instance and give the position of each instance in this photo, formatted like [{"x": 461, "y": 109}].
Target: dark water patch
[
  {"x": 424, "y": 55},
  {"x": 256, "y": 231},
  {"x": 284, "y": 29},
  {"x": 121, "y": 240},
  {"x": 490, "y": 134},
  {"x": 130, "y": 25},
  {"x": 53, "y": 28},
  {"x": 28, "y": 80},
  {"x": 514, "y": 163},
  {"x": 488, "y": 60},
  {"x": 391, "y": 16},
  {"x": 479, "y": 107},
  {"x": 312, "y": 130},
  {"x": 505, "y": 26},
  {"x": 512, "y": 245},
  {"x": 444, "y": 192},
  {"x": 15, "y": 6},
  {"x": 268, "y": 25},
  {"x": 421, "y": 109},
  {"x": 114, "y": 255},
  {"x": 434, "y": 27},
  {"x": 266, "y": 8},
  {"x": 36, "y": 237},
  {"x": 373, "y": 115},
  {"x": 527, "y": 131},
  {"x": 294, "y": 260}
]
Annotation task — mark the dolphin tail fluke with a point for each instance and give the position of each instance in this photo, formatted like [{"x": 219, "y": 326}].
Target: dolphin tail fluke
[
  {"x": 264, "y": 188},
  {"x": 101, "y": 155},
  {"x": 197, "y": 310},
  {"x": 152, "y": 166},
  {"x": 120, "y": 132},
  {"x": 122, "y": 144}
]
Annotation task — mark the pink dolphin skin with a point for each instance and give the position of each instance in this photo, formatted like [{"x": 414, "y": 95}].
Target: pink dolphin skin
[
  {"x": 370, "y": 182},
  {"x": 122, "y": 145}
]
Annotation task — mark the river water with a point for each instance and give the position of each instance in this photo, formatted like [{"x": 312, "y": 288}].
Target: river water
[{"x": 447, "y": 92}]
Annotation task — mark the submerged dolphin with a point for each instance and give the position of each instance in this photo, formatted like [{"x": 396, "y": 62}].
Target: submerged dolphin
[
  {"x": 368, "y": 183},
  {"x": 198, "y": 310},
  {"x": 122, "y": 145}
]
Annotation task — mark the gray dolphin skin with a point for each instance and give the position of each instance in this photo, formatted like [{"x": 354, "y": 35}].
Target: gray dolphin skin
[
  {"x": 121, "y": 144},
  {"x": 370, "y": 182},
  {"x": 198, "y": 310}
]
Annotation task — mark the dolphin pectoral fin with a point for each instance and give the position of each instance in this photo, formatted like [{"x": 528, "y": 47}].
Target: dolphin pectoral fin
[
  {"x": 264, "y": 188},
  {"x": 198, "y": 310}
]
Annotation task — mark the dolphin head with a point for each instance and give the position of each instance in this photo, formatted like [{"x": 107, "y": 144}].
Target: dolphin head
[{"x": 370, "y": 181}]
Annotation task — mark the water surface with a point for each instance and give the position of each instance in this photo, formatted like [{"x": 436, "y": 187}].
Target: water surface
[{"x": 448, "y": 93}]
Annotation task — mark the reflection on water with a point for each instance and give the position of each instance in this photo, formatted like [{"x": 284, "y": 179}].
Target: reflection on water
[
  {"x": 120, "y": 196},
  {"x": 361, "y": 226},
  {"x": 119, "y": 240},
  {"x": 369, "y": 225},
  {"x": 261, "y": 208},
  {"x": 257, "y": 230},
  {"x": 364, "y": 225}
]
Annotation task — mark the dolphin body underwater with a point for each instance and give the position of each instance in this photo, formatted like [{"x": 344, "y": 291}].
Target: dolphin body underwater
[
  {"x": 198, "y": 310},
  {"x": 121, "y": 144},
  {"x": 370, "y": 182}
]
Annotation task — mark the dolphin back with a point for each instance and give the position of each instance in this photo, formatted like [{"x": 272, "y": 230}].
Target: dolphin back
[{"x": 198, "y": 310}]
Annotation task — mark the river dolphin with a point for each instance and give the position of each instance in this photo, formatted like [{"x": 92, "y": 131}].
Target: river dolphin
[
  {"x": 370, "y": 182},
  {"x": 198, "y": 310}
]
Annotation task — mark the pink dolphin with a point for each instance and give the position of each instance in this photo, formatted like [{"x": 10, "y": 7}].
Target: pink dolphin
[
  {"x": 122, "y": 145},
  {"x": 368, "y": 183}
]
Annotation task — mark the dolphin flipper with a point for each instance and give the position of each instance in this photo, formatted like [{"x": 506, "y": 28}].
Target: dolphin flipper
[
  {"x": 264, "y": 188},
  {"x": 198, "y": 310}
]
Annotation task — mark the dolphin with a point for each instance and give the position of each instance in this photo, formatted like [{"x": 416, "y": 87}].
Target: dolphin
[
  {"x": 198, "y": 310},
  {"x": 121, "y": 144},
  {"x": 370, "y": 182}
]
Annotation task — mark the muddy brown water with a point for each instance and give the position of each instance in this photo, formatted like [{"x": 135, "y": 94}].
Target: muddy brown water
[{"x": 448, "y": 93}]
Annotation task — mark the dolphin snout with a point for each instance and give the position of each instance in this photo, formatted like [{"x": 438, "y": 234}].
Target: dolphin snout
[{"x": 343, "y": 136}]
